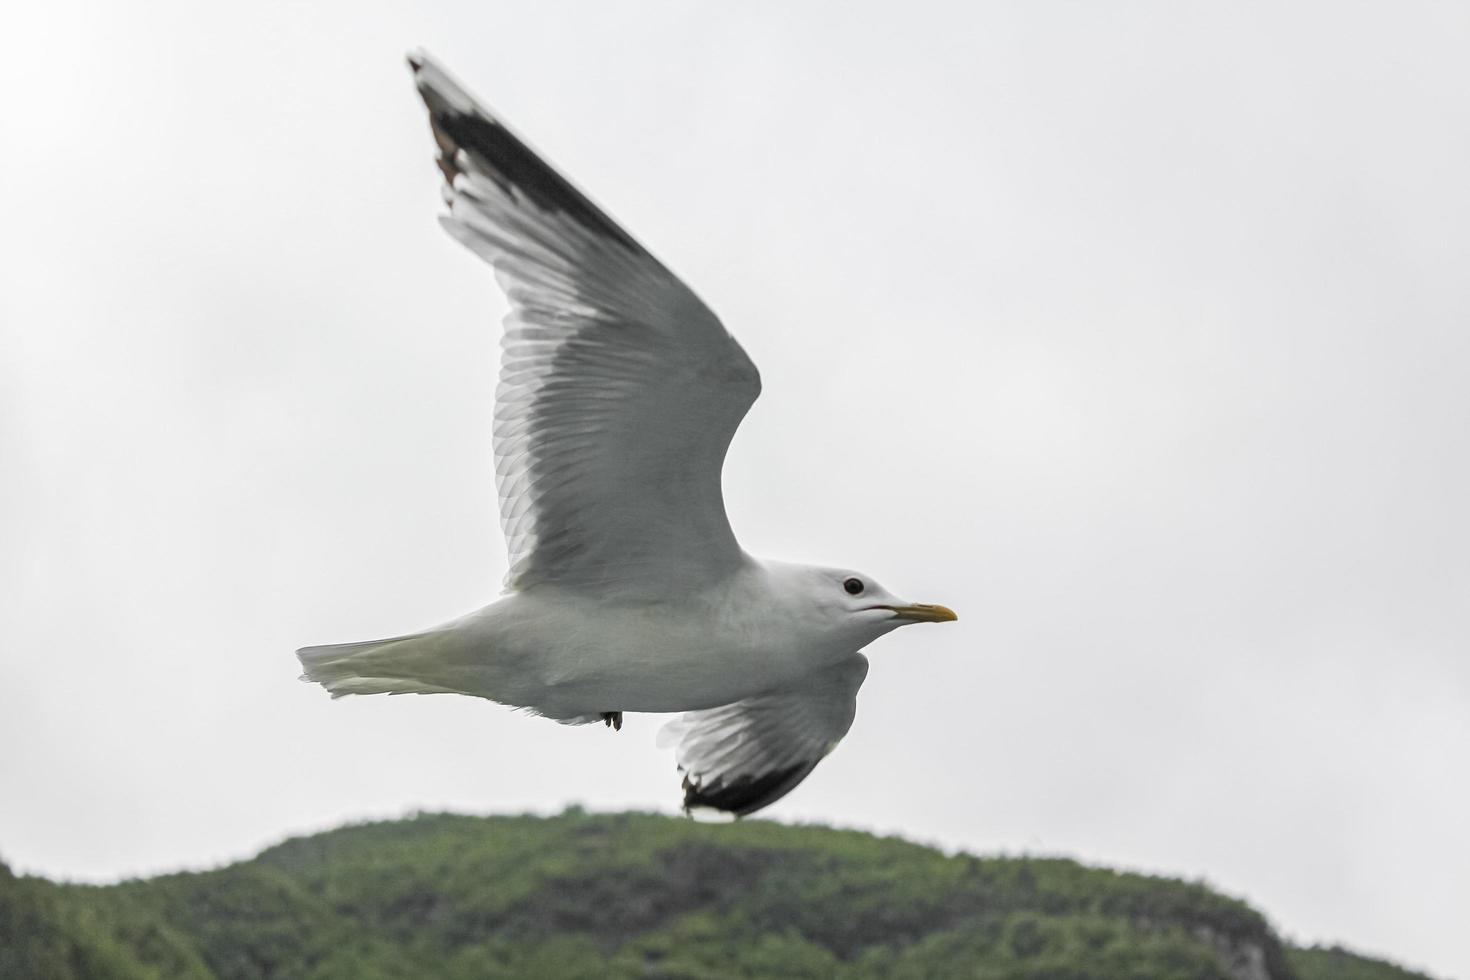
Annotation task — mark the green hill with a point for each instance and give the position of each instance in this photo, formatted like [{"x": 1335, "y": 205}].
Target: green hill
[{"x": 636, "y": 895}]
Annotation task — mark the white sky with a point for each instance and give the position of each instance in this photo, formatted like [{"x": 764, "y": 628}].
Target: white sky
[{"x": 1135, "y": 332}]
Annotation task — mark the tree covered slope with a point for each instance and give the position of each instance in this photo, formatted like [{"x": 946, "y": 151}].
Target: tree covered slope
[{"x": 637, "y": 895}]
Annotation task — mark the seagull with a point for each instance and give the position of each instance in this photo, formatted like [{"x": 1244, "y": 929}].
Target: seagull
[{"x": 618, "y": 395}]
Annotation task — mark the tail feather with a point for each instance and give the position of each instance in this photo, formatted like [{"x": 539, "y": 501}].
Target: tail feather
[
  {"x": 448, "y": 659},
  {"x": 392, "y": 666}
]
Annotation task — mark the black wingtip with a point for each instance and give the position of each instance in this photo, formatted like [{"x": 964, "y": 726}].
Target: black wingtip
[
  {"x": 461, "y": 124},
  {"x": 747, "y": 794}
]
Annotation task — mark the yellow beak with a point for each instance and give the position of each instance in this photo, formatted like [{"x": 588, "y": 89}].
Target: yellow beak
[{"x": 922, "y": 612}]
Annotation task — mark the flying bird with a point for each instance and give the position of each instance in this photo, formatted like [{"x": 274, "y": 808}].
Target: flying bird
[{"x": 619, "y": 393}]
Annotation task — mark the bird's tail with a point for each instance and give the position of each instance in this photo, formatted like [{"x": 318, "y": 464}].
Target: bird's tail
[{"x": 398, "y": 665}]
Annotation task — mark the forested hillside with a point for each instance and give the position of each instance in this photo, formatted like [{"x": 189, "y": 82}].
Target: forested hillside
[{"x": 637, "y": 895}]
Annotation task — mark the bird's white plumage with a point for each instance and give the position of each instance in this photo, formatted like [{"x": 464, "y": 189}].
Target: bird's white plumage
[{"x": 619, "y": 393}]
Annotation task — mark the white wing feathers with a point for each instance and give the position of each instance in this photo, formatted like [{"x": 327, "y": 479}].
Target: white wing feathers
[
  {"x": 619, "y": 390},
  {"x": 743, "y": 756}
]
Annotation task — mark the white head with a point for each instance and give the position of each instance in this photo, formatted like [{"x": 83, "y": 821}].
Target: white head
[{"x": 848, "y": 604}]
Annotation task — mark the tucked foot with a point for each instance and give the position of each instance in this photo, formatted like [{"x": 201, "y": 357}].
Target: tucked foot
[{"x": 613, "y": 720}]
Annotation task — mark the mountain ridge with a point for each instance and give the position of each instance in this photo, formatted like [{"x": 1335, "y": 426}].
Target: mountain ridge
[{"x": 635, "y": 895}]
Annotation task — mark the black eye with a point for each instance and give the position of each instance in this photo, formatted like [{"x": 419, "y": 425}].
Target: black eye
[{"x": 854, "y": 586}]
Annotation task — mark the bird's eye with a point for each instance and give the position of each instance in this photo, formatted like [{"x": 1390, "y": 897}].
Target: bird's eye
[{"x": 854, "y": 586}]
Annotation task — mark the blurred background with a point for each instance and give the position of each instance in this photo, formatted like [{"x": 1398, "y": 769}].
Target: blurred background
[{"x": 1134, "y": 332}]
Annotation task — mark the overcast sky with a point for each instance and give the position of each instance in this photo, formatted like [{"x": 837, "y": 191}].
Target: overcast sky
[{"x": 1137, "y": 333}]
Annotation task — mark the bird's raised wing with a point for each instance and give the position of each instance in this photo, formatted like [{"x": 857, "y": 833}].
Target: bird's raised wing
[
  {"x": 619, "y": 390},
  {"x": 743, "y": 756}
]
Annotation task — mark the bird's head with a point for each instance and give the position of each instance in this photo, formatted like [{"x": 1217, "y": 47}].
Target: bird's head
[{"x": 853, "y": 605}]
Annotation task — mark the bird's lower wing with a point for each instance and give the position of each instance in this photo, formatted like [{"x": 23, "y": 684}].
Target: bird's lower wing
[
  {"x": 744, "y": 756},
  {"x": 619, "y": 389}
]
